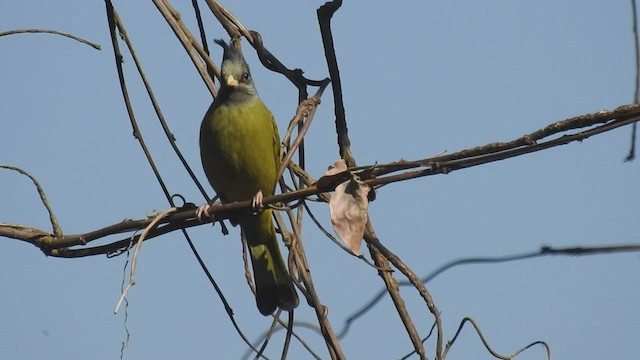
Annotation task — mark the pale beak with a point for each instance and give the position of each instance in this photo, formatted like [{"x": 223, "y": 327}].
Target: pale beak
[{"x": 231, "y": 81}]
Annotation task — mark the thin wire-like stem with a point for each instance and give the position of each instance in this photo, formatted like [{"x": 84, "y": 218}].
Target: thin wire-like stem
[
  {"x": 373, "y": 241},
  {"x": 299, "y": 256},
  {"x": 636, "y": 93},
  {"x": 156, "y": 107},
  {"x": 545, "y": 251},
  {"x": 197, "y": 54},
  {"x": 111, "y": 16},
  {"x": 495, "y": 354},
  {"x": 54, "y": 32},
  {"x": 57, "y": 230},
  {"x": 392, "y": 288},
  {"x": 307, "y": 109},
  {"x": 287, "y": 339},
  {"x": 293, "y": 335},
  {"x": 433, "y": 326},
  {"x": 134, "y": 259}
]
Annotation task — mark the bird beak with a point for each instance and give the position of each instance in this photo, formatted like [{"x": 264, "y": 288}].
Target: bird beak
[{"x": 231, "y": 81}]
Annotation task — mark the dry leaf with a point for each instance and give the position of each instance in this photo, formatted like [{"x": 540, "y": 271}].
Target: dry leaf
[{"x": 349, "y": 208}]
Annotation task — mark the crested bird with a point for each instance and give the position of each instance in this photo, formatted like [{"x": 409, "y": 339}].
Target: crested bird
[{"x": 240, "y": 152}]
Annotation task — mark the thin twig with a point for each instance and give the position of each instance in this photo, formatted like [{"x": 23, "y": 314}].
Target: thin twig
[
  {"x": 392, "y": 288},
  {"x": 134, "y": 260},
  {"x": 306, "y": 110},
  {"x": 372, "y": 240},
  {"x": 111, "y": 17},
  {"x": 235, "y": 29},
  {"x": 544, "y": 251},
  {"x": 287, "y": 339},
  {"x": 197, "y": 54},
  {"x": 297, "y": 324},
  {"x": 156, "y": 107},
  {"x": 265, "y": 341},
  {"x": 325, "y": 14},
  {"x": 488, "y": 347},
  {"x": 636, "y": 94},
  {"x": 48, "y": 31},
  {"x": 297, "y": 251},
  {"x": 203, "y": 35},
  {"x": 57, "y": 230},
  {"x": 433, "y": 326}
]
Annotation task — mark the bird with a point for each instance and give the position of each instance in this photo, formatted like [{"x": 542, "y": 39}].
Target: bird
[{"x": 240, "y": 153}]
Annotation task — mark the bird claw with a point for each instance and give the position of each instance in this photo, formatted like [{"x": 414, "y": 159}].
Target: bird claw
[
  {"x": 256, "y": 203},
  {"x": 203, "y": 210}
]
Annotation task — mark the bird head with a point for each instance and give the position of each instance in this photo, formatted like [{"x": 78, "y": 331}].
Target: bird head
[{"x": 234, "y": 70}]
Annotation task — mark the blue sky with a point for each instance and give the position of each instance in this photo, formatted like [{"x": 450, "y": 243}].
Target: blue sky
[{"x": 419, "y": 77}]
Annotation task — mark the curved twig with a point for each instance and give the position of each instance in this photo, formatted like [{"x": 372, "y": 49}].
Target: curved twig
[
  {"x": 198, "y": 56},
  {"x": 57, "y": 230},
  {"x": 54, "y": 32},
  {"x": 488, "y": 347},
  {"x": 544, "y": 251}
]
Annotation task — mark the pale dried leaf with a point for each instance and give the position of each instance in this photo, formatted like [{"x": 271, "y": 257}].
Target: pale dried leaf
[{"x": 349, "y": 211}]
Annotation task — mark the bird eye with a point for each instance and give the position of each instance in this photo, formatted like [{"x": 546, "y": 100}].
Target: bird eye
[{"x": 246, "y": 76}]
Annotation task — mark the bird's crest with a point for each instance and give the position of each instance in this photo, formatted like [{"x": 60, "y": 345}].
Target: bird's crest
[{"x": 231, "y": 52}]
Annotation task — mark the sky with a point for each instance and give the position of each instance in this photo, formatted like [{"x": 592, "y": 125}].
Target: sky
[{"x": 419, "y": 78}]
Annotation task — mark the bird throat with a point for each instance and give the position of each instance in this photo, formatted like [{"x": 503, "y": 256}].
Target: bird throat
[{"x": 236, "y": 96}]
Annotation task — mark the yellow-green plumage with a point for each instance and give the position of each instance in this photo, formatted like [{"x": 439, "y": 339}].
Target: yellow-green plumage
[{"x": 240, "y": 147}]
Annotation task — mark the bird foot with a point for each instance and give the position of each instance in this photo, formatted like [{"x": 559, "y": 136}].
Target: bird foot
[
  {"x": 203, "y": 210},
  {"x": 256, "y": 203}
]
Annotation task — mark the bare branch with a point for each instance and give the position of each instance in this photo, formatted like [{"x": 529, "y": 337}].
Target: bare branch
[
  {"x": 185, "y": 218},
  {"x": 198, "y": 56},
  {"x": 372, "y": 240},
  {"x": 306, "y": 110},
  {"x": 393, "y": 290},
  {"x": 486, "y": 344},
  {"x": 636, "y": 94},
  {"x": 544, "y": 251},
  {"x": 57, "y": 231},
  {"x": 299, "y": 257},
  {"x": 156, "y": 107},
  {"x": 325, "y": 14},
  {"x": 48, "y": 31}
]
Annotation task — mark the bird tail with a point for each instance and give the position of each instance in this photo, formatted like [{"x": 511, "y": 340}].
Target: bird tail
[{"x": 274, "y": 287}]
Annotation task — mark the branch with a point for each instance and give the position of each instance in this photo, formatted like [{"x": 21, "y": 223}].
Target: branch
[
  {"x": 373, "y": 175},
  {"x": 373, "y": 241},
  {"x": 392, "y": 288},
  {"x": 55, "y": 32},
  {"x": 298, "y": 256},
  {"x": 198, "y": 55},
  {"x": 636, "y": 95},
  {"x": 486, "y": 344},
  {"x": 325, "y": 14},
  {"x": 43, "y": 197},
  {"x": 444, "y": 164},
  {"x": 544, "y": 251}
]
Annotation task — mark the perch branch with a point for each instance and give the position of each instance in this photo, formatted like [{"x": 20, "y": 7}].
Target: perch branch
[{"x": 378, "y": 175}]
